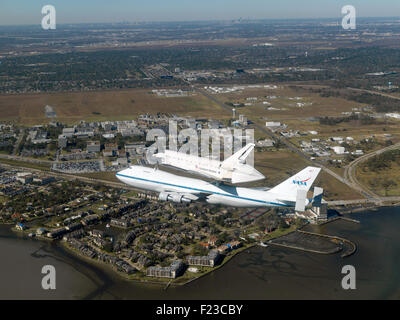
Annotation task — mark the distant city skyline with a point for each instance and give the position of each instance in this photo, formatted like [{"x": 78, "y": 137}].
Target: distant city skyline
[{"x": 18, "y": 12}]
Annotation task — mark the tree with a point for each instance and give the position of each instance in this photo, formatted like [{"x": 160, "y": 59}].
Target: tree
[
  {"x": 283, "y": 224},
  {"x": 199, "y": 250},
  {"x": 387, "y": 184},
  {"x": 278, "y": 144}
]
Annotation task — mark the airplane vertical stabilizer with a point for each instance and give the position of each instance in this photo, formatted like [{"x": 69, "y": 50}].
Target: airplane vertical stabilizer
[{"x": 300, "y": 181}]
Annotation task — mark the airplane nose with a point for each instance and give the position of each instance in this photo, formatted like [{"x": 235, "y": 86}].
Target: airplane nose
[
  {"x": 117, "y": 175},
  {"x": 120, "y": 174}
]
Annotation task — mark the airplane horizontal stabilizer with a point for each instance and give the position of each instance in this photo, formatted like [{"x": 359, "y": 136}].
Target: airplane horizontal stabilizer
[
  {"x": 317, "y": 196},
  {"x": 301, "y": 200}
]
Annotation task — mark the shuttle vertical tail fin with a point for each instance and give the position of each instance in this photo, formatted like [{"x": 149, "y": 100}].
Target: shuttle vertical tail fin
[{"x": 239, "y": 156}]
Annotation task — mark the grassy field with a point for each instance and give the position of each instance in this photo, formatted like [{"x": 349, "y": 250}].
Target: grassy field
[
  {"x": 128, "y": 104},
  {"x": 277, "y": 166},
  {"x": 71, "y": 107},
  {"x": 297, "y": 118},
  {"x": 334, "y": 189},
  {"x": 373, "y": 180},
  {"x": 25, "y": 164},
  {"x": 345, "y": 129},
  {"x": 320, "y": 106},
  {"x": 106, "y": 176}
]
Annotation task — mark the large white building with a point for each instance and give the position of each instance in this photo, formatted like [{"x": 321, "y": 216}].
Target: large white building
[
  {"x": 271, "y": 124},
  {"x": 393, "y": 115},
  {"x": 339, "y": 150}
]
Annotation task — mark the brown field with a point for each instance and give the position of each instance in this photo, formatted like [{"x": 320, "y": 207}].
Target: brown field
[
  {"x": 320, "y": 106},
  {"x": 334, "y": 189},
  {"x": 368, "y": 178},
  {"x": 277, "y": 166},
  {"x": 345, "y": 129},
  {"x": 297, "y": 118},
  {"x": 106, "y": 176},
  {"x": 71, "y": 107}
]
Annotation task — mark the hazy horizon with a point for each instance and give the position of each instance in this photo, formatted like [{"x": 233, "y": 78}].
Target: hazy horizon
[
  {"x": 200, "y": 21},
  {"x": 26, "y": 12}
]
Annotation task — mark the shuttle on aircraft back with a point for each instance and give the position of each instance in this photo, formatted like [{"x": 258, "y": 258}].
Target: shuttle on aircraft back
[
  {"x": 233, "y": 170},
  {"x": 170, "y": 187}
]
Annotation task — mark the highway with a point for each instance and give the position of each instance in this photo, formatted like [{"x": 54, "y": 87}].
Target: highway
[
  {"x": 285, "y": 141},
  {"x": 383, "y": 94},
  {"x": 26, "y": 159},
  {"x": 124, "y": 186},
  {"x": 71, "y": 176},
  {"x": 17, "y": 143},
  {"x": 350, "y": 170},
  {"x": 364, "y": 201},
  {"x": 349, "y": 177}
]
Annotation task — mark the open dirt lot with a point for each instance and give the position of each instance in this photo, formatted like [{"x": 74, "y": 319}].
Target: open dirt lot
[{"x": 71, "y": 107}]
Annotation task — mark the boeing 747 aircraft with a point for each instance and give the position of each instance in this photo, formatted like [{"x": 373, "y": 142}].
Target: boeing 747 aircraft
[{"x": 290, "y": 193}]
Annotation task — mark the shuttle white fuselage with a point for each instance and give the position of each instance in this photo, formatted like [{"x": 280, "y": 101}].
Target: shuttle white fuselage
[{"x": 233, "y": 170}]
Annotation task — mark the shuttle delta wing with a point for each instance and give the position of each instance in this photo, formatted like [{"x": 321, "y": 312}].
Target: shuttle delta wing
[
  {"x": 245, "y": 173},
  {"x": 236, "y": 170}
]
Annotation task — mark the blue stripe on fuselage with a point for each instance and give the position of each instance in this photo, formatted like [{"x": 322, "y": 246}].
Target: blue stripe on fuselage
[{"x": 200, "y": 190}]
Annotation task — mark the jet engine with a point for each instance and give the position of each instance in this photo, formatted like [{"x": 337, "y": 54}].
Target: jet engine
[{"x": 173, "y": 197}]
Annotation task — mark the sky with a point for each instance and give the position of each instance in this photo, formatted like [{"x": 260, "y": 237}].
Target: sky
[{"x": 16, "y": 12}]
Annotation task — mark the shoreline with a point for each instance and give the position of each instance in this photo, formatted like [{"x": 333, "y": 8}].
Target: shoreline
[
  {"x": 256, "y": 274},
  {"x": 162, "y": 282},
  {"x": 347, "y": 210},
  {"x": 167, "y": 282},
  {"x": 97, "y": 263}
]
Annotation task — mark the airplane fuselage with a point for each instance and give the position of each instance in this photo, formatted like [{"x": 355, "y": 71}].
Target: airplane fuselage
[{"x": 156, "y": 180}]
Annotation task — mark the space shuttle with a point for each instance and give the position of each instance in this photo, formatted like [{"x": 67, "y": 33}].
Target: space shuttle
[{"x": 233, "y": 170}]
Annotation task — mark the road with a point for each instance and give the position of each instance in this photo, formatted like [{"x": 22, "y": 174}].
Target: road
[
  {"x": 348, "y": 179},
  {"x": 72, "y": 177},
  {"x": 350, "y": 170},
  {"x": 17, "y": 143},
  {"x": 126, "y": 187},
  {"x": 25, "y": 159},
  {"x": 383, "y": 94},
  {"x": 363, "y": 201},
  {"x": 285, "y": 141}
]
